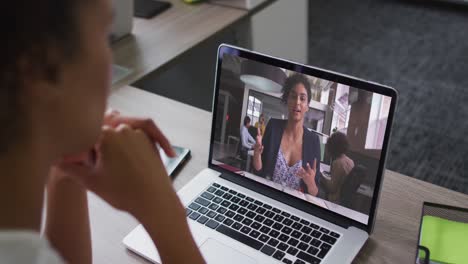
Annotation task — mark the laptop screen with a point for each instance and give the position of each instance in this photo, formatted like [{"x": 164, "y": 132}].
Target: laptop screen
[{"x": 312, "y": 138}]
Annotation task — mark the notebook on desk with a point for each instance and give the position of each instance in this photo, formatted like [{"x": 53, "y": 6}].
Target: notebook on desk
[{"x": 261, "y": 208}]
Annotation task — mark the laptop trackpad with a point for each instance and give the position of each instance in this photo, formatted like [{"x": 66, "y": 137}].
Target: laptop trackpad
[{"x": 216, "y": 252}]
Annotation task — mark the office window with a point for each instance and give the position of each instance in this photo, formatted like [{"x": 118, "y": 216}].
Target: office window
[
  {"x": 254, "y": 109},
  {"x": 341, "y": 109},
  {"x": 380, "y": 108}
]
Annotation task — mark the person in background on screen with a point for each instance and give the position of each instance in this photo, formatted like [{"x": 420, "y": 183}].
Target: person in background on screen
[
  {"x": 55, "y": 138},
  {"x": 337, "y": 145},
  {"x": 260, "y": 124},
  {"x": 247, "y": 140},
  {"x": 288, "y": 153}
]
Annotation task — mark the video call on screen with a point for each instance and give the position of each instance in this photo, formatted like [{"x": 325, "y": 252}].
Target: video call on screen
[{"x": 343, "y": 131}]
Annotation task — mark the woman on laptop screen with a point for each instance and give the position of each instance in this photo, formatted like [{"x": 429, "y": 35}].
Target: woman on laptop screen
[{"x": 288, "y": 153}]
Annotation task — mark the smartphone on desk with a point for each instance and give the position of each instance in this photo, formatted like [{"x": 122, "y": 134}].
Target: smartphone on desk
[{"x": 172, "y": 164}]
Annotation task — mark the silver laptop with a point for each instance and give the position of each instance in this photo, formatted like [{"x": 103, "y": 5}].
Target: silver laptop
[{"x": 240, "y": 212}]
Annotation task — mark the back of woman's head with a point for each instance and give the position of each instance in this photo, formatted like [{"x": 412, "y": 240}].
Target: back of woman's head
[
  {"x": 337, "y": 144},
  {"x": 37, "y": 36}
]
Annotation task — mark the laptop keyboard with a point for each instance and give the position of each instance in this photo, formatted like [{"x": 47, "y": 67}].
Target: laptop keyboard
[{"x": 274, "y": 232}]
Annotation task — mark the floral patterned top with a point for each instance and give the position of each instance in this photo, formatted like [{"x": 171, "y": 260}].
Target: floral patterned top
[{"x": 285, "y": 175}]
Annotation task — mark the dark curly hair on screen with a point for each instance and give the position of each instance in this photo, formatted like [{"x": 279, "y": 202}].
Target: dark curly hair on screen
[
  {"x": 291, "y": 82},
  {"x": 337, "y": 144},
  {"x": 30, "y": 31}
]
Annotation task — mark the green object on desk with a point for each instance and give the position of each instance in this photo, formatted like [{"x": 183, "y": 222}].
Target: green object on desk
[
  {"x": 445, "y": 239},
  {"x": 192, "y": 1}
]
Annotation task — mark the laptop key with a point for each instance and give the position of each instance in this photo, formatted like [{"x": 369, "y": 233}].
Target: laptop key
[
  {"x": 278, "y": 255},
  {"x": 256, "y": 225},
  {"x": 239, "y": 237},
  {"x": 238, "y": 217},
  {"x": 277, "y": 226},
  {"x": 268, "y": 222},
  {"x": 228, "y": 222},
  {"x": 282, "y": 246},
  {"x": 328, "y": 239},
  {"x": 194, "y": 206},
  {"x": 278, "y": 218},
  {"x": 246, "y": 229},
  {"x": 293, "y": 242},
  {"x": 187, "y": 211},
  {"x": 312, "y": 250},
  {"x": 287, "y": 222},
  {"x": 315, "y": 243},
  {"x": 257, "y": 202},
  {"x": 269, "y": 214},
  {"x": 227, "y": 196},
  {"x": 234, "y": 207},
  {"x": 287, "y": 261},
  {"x": 260, "y": 210},
  {"x": 213, "y": 206},
  {"x": 242, "y": 211},
  {"x": 232, "y": 192},
  {"x": 251, "y": 214},
  {"x": 306, "y": 238},
  {"x": 274, "y": 233},
  {"x": 236, "y": 226},
  {"x": 230, "y": 213},
  {"x": 221, "y": 210},
  {"x": 203, "y": 210},
  {"x": 235, "y": 199},
  {"x": 295, "y": 218},
  {"x": 335, "y": 235},
  {"x": 194, "y": 216},
  {"x": 266, "y": 249},
  {"x": 292, "y": 251},
  {"x": 254, "y": 233},
  {"x": 276, "y": 210},
  {"x": 303, "y": 246},
  {"x": 240, "y": 195},
  {"x": 324, "y": 248},
  {"x": 249, "y": 199},
  {"x": 324, "y": 230},
  {"x": 224, "y": 188},
  {"x": 316, "y": 234},
  {"x": 267, "y": 206},
  {"x": 299, "y": 261},
  {"x": 305, "y": 222},
  {"x": 244, "y": 203},
  {"x": 265, "y": 229},
  {"x": 216, "y": 185},
  {"x": 217, "y": 200},
  {"x": 202, "y": 220},
  {"x": 219, "y": 218},
  {"x": 273, "y": 242},
  {"x": 297, "y": 226},
  {"x": 286, "y": 230},
  {"x": 308, "y": 258},
  {"x": 212, "y": 224},
  {"x": 219, "y": 193},
  {"x": 211, "y": 214},
  {"x": 285, "y": 214},
  {"x": 252, "y": 207},
  {"x": 283, "y": 237},
  {"x": 207, "y": 196},
  {"x": 225, "y": 203},
  {"x": 296, "y": 234},
  {"x": 259, "y": 218},
  {"x": 314, "y": 226},
  {"x": 211, "y": 189},
  {"x": 306, "y": 230},
  {"x": 247, "y": 221},
  {"x": 263, "y": 238}
]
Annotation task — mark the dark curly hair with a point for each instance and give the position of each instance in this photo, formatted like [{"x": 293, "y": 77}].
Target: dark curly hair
[
  {"x": 291, "y": 82},
  {"x": 337, "y": 144},
  {"x": 31, "y": 30}
]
